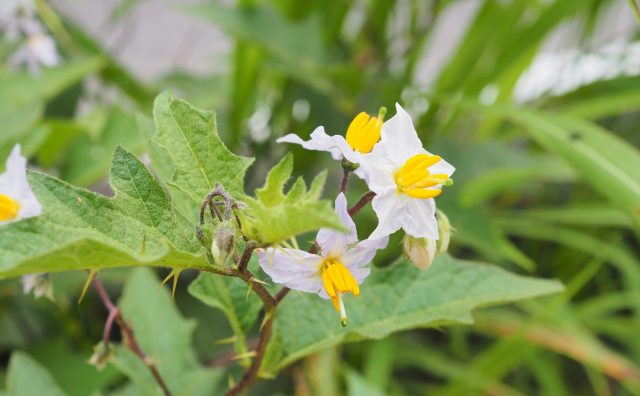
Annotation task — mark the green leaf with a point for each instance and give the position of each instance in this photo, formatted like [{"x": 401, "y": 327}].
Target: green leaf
[
  {"x": 200, "y": 158},
  {"x": 164, "y": 336},
  {"x": 230, "y": 295},
  {"x": 274, "y": 216},
  {"x": 605, "y": 161},
  {"x": 396, "y": 298},
  {"x": 27, "y": 377},
  {"x": 80, "y": 229}
]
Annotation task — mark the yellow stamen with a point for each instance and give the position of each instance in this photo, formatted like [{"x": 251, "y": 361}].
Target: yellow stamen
[
  {"x": 364, "y": 132},
  {"x": 337, "y": 279},
  {"x": 415, "y": 180},
  {"x": 9, "y": 208}
]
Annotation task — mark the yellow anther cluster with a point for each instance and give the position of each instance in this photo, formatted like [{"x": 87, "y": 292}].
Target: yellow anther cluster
[
  {"x": 337, "y": 279},
  {"x": 8, "y": 208},
  {"x": 415, "y": 180},
  {"x": 364, "y": 132}
]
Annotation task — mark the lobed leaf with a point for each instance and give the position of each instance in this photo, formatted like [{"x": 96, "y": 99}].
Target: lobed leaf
[
  {"x": 190, "y": 138},
  {"x": 80, "y": 229},
  {"x": 274, "y": 216},
  {"x": 396, "y": 298}
]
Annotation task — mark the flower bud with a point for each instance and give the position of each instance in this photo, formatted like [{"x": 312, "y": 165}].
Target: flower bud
[
  {"x": 421, "y": 251},
  {"x": 102, "y": 354},
  {"x": 444, "y": 229},
  {"x": 223, "y": 244}
]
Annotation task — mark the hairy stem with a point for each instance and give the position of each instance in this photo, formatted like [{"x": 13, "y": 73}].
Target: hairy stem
[{"x": 128, "y": 336}]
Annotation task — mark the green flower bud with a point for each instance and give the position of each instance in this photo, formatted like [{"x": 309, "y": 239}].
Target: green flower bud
[
  {"x": 224, "y": 241},
  {"x": 444, "y": 229},
  {"x": 420, "y": 251}
]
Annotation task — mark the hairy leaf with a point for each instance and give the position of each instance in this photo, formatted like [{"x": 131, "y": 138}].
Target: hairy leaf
[
  {"x": 189, "y": 135},
  {"x": 274, "y": 216},
  {"x": 396, "y": 298},
  {"x": 80, "y": 229}
]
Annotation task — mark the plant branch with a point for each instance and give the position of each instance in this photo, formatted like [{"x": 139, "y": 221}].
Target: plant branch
[
  {"x": 361, "y": 203},
  {"x": 251, "y": 375},
  {"x": 128, "y": 336},
  {"x": 282, "y": 294},
  {"x": 345, "y": 179}
]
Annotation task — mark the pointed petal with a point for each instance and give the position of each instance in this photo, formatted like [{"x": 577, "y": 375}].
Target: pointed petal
[
  {"x": 399, "y": 138},
  {"x": 320, "y": 141},
  {"x": 293, "y": 268},
  {"x": 333, "y": 242},
  {"x": 389, "y": 208}
]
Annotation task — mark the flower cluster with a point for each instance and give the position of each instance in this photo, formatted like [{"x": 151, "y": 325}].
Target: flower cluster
[
  {"x": 405, "y": 179},
  {"x": 18, "y": 21}
]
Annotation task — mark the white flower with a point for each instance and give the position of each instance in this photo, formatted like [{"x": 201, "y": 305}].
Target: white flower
[
  {"x": 39, "y": 50},
  {"x": 405, "y": 178},
  {"x": 363, "y": 133},
  {"x": 16, "y": 17},
  {"x": 17, "y": 200},
  {"x": 340, "y": 266},
  {"x": 40, "y": 284}
]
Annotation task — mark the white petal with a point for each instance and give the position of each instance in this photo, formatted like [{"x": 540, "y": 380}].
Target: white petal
[
  {"x": 320, "y": 141},
  {"x": 14, "y": 184},
  {"x": 43, "y": 49},
  {"x": 419, "y": 218},
  {"x": 293, "y": 268},
  {"x": 377, "y": 171},
  {"x": 389, "y": 208},
  {"x": 357, "y": 258},
  {"x": 333, "y": 242},
  {"x": 442, "y": 167},
  {"x": 399, "y": 140}
]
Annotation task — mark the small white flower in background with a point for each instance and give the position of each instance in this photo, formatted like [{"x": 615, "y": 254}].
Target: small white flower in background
[
  {"x": 340, "y": 267},
  {"x": 39, "y": 284},
  {"x": 363, "y": 133},
  {"x": 17, "y": 200},
  {"x": 18, "y": 19},
  {"x": 405, "y": 178},
  {"x": 40, "y": 50}
]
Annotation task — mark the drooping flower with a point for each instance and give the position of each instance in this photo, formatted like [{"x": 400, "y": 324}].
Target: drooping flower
[
  {"x": 405, "y": 178},
  {"x": 17, "y": 200},
  {"x": 339, "y": 267},
  {"x": 363, "y": 133},
  {"x": 39, "y": 284}
]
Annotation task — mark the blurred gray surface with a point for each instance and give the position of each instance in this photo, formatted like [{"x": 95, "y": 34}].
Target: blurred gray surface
[{"x": 156, "y": 37}]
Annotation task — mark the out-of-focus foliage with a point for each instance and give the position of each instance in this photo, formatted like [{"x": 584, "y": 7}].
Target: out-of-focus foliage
[{"x": 547, "y": 186}]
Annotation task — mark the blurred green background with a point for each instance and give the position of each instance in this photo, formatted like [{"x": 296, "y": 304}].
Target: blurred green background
[{"x": 536, "y": 103}]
